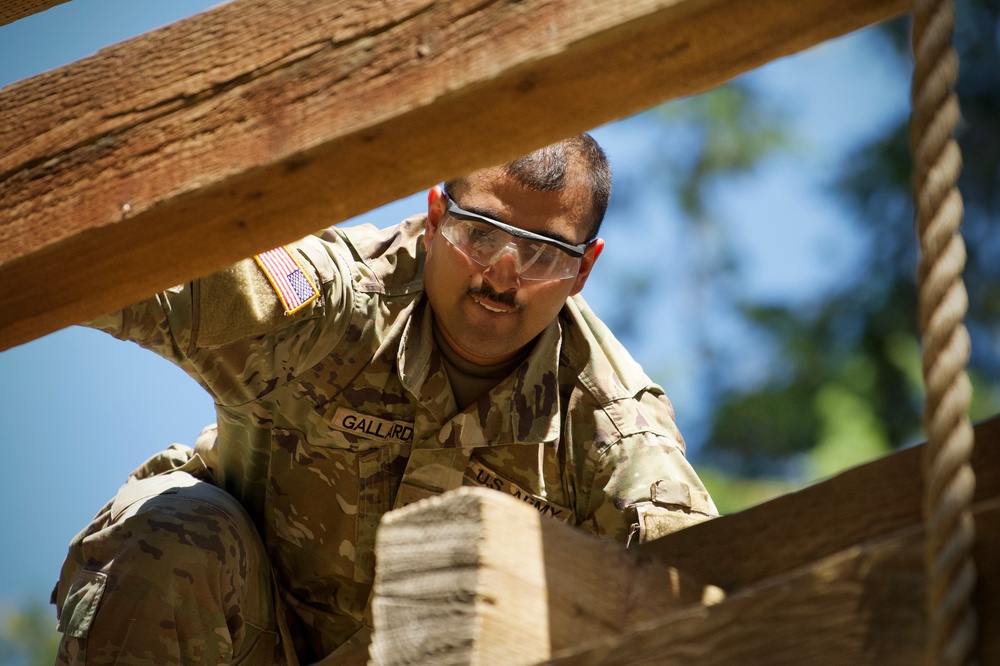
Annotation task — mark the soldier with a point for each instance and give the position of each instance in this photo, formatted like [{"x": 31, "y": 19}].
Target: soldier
[{"x": 356, "y": 371}]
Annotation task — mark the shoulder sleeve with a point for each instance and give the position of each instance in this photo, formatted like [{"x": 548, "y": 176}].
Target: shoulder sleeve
[
  {"x": 234, "y": 332},
  {"x": 636, "y": 484},
  {"x": 643, "y": 488}
]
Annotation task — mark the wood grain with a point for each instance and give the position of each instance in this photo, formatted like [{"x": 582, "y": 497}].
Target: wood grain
[
  {"x": 858, "y": 505},
  {"x": 15, "y": 10},
  {"x": 478, "y": 577},
  {"x": 861, "y": 606},
  {"x": 833, "y": 574},
  {"x": 171, "y": 155}
]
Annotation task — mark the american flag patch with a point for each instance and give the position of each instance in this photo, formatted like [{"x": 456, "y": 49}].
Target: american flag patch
[{"x": 290, "y": 282}]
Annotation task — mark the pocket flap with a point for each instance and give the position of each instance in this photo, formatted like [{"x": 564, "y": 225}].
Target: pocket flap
[{"x": 81, "y": 603}]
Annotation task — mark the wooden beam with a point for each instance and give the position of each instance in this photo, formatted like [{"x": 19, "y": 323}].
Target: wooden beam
[
  {"x": 860, "y": 606},
  {"x": 15, "y": 10},
  {"x": 478, "y": 577},
  {"x": 861, "y": 504},
  {"x": 836, "y": 576},
  {"x": 169, "y": 156}
]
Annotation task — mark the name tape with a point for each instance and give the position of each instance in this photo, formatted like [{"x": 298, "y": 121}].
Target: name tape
[
  {"x": 478, "y": 474},
  {"x": 372, "y": 427}
]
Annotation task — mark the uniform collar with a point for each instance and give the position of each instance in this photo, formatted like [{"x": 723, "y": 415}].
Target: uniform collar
[
  {"x": 523, "y": 408},
  {"x": 421, "y": 370}
]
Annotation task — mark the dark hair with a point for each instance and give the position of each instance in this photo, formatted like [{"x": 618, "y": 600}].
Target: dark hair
[{"x": 545, "y": 169}]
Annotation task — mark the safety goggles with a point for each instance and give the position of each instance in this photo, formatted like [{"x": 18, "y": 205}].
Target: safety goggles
[{"x": 484, "y": 240}]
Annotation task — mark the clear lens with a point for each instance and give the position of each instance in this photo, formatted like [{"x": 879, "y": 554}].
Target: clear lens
[{"x": 484, "y": 244}]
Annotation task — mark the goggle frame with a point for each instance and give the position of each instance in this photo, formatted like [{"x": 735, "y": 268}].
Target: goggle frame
[{"x": 458, "y": 214}]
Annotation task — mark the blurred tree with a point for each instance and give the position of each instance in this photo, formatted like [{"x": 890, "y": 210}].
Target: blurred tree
[
  {"x": 841, "y": 381},
  {"x": 28, "y": 636},
  {"x": 850, "y": 386},
  {"x": 702, "y": 142}
]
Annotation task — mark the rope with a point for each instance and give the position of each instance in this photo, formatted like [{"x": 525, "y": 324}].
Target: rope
[{"x": 949, "y": 479}]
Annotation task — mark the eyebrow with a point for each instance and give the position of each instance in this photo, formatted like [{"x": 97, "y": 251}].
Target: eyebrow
[{"x": 486, "y": 212}]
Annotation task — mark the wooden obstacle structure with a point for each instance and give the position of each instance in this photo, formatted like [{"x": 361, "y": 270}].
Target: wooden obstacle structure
[
  {"x": 174, "y": 154},
  {"x": 171, "y": 155},
  {"x": 13, "y": 10},
  {"x": 832, "y": 574}
]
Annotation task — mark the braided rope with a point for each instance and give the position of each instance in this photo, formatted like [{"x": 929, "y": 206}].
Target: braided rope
[{"x": 949, "y": 480}]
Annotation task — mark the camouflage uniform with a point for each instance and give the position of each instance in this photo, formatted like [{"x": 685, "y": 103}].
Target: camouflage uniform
[{"x": 332, "y": 416}]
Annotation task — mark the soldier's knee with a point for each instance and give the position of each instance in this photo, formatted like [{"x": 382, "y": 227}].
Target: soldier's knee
[
  {"x": 174, "y": 554},
  {"x": 175, "y": 523}
]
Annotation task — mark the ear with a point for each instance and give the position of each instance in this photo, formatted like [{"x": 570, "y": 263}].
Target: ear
[
  {"x": 437, "y": 203},
  {"x": 590, "y": 255}
]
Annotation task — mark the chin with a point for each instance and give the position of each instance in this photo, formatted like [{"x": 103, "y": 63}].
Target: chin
[{"x": 481, "y": 349}]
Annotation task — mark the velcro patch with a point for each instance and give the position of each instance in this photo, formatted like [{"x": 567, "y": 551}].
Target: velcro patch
[
  {"x": 477, "y": 474},
  {"x": 670, "y": 493},
  {"x": 372, "y": 427},
  {"x": 290, "y": 281}
]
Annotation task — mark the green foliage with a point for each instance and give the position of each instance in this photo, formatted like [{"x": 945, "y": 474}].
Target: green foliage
[
  {"x": 757, "y": 428},
  {"x": 28, "y": 636},
  {"x": 735, "y": 493},
  {"x": 736, "y": 131},
  {"x": 842, "y": 381},
  {"x": 850, "y": 432},
  {"x": 868, "y": 330}
]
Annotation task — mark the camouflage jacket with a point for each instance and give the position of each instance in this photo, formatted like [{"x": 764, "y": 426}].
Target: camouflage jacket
[{"x": 331, "y": 416}]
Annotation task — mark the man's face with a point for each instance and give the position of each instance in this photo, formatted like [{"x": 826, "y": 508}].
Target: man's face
[{"x": 488, "y": 314}]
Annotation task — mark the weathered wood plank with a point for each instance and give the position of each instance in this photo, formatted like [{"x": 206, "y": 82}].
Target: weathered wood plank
[
  {"x": 863, "y": 605},
  {"x": 15, "y": 10},
  {"x": 858, "y": 505},
  {"x": 476, "y": 577},
  {"x": 479, "y": 577},
  {"x": 170, "y": 155}
]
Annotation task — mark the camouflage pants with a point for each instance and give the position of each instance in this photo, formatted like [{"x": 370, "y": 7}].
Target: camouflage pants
[{"x": 171, "y": 571}]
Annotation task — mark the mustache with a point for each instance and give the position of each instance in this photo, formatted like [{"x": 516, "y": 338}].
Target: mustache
[{"x": 507, "y": 298}]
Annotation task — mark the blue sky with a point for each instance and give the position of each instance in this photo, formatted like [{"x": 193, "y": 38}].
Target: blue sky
[{"x": 82, "y": 410}]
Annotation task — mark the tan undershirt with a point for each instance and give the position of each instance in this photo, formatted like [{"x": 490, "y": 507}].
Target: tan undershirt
[{"x": 470, "y": 380}]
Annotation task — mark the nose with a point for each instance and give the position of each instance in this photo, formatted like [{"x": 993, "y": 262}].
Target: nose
[{"x": 502, "y": 273}]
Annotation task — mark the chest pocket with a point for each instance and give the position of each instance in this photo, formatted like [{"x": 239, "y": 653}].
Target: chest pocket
[{"x": 322, "y": 505}]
